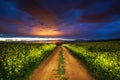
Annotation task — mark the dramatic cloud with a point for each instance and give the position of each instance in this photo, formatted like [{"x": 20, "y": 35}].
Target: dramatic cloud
[{"x": 79, "y": 19}]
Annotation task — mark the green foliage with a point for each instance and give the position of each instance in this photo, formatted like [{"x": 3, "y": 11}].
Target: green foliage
[
  {"x": 17, "y": 61},
  {"x": 61, "y": 69},
  {"x": 101, "y": 58}
]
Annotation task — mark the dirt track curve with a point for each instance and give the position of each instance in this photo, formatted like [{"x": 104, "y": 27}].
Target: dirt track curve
[{"x": 73, "y": 69}]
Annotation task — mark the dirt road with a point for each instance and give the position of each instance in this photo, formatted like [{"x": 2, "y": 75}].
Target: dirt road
[
  {"x": 47, "y": 70},
  {"x": 73, "y": 69}
]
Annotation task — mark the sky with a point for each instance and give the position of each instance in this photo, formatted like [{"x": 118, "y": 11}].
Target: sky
[{"x": 74, "y": 19}]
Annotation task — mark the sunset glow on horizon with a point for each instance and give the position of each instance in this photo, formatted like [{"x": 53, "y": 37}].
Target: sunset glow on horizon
[{"x": 46, "y": 32}]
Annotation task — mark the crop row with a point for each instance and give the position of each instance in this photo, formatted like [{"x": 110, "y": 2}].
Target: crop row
[
  {"x": 17, "y": 61},
  {"x": 101, "y": 58}
]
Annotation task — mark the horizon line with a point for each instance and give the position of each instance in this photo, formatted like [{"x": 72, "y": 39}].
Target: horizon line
[{"x": 33, "y": 39}]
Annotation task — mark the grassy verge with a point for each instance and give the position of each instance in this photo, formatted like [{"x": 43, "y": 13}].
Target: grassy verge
[{"x": 61, "y": 69}]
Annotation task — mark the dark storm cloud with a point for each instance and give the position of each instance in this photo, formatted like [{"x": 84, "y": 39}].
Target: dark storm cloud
[
  {"x": 99, "y": 11},
  {"x": 12, "y": 19},
  {"x": 87, "y": 19},
  {"x": 8, "y": 10}
]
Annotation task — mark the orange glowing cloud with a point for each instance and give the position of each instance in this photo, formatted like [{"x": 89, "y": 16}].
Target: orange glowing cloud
[
  {"x": 46, "y": 31},
  {"x": 49, "y": 33}
]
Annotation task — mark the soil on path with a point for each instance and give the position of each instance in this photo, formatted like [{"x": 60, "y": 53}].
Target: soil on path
[
  {"x": 47, "y": 70},
  {"x": 73, "y": 69}
]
